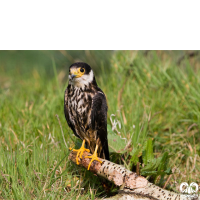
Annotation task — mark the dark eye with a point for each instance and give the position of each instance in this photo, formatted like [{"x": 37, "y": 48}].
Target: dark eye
[{"x": 82, "y": 70}]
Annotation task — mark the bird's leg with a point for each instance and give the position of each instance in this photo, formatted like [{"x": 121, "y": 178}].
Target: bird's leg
[
  {"x": 80, "y": 152},
  {"x": 94, "y": 157}
]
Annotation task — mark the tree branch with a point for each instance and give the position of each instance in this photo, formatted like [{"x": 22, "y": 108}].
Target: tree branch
[{"x": 132, "y": 185}]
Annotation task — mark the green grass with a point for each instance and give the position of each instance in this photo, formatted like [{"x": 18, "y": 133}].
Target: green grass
[{"x": 152, "y": 92}]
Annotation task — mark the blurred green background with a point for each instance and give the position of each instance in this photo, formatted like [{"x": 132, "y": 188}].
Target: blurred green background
[
  {"x": 24, "y": 61},
  {"x": 154, "y": 95}
]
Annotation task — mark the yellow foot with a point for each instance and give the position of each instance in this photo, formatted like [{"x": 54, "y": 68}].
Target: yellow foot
[
  {"x": 94, "y": 157},
  {"x": 70, "y": 148},
  {"x": 80, "y": 152}
]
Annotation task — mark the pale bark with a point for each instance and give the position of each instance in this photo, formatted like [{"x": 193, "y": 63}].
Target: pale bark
[{"x": 131, "y": 185}]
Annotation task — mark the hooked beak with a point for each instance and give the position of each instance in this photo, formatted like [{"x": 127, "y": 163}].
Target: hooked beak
[
  {"x": 73, "y": 76},
  {"x": 74, "y": 73}
]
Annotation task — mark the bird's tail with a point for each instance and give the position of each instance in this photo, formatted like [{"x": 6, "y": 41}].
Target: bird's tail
[
  {"x": 102, "y": 151},
  {"x": 105, "y": 150}
]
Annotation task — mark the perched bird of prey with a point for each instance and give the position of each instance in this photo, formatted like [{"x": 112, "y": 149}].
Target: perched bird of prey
[{"x": 85, "y": 110}]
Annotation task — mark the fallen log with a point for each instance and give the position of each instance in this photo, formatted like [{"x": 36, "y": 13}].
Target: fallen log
[{"x": 131, "y": 185}]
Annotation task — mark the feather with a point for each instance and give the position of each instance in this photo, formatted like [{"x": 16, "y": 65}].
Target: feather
[
  {"x": 99, "y": 120},
  {"x": 85, "y": 109}
]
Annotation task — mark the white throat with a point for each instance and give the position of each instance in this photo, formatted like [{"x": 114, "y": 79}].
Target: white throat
[{"x": 82, "y": 81}]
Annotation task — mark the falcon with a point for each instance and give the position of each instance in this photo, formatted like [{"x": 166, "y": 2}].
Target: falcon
[{"x": 85, "y": 109}]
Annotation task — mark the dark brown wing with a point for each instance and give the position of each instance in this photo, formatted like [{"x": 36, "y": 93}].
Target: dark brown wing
[
  {"x": 99, "y": 120},
  {"x": 66, "y": 111}
]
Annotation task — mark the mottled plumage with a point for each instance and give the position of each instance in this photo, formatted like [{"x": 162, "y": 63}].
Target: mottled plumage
[{"x": 85, "y": 109}]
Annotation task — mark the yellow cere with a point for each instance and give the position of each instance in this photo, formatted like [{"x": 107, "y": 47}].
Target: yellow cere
[{"x": 78, "y": 72}]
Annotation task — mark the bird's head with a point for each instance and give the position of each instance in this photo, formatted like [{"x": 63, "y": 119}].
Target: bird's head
[{"x": 81, "y": 75}]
